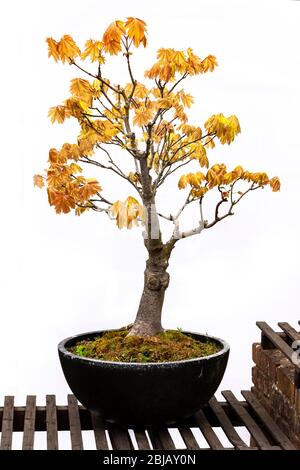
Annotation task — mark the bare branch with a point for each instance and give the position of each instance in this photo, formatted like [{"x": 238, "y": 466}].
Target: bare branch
[
  {"x": 98, "y": 77},
  {"x": 178, "y": 81},
  {"x": 116, "y": 170}
]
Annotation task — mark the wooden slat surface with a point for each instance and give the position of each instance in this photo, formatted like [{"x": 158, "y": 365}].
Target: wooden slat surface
[
  {"x": 99, "y": 432},
  {"x": 141, "y": 439},
  {"x": 166, "y": 439},
  {"x": 74, "y": 421},
  {"x": 279, "y": 437},
  {"x": 161, "y": 439},
  {"x": 207, "y": 431},
  {"x": 119, "y": 437},
  {"x": 248, "y": 421},
  {"x": 277, "y": 341},
  {"x": 226, "y": 425},
  {"x": 289, "y": 331},
  {"x": 29, "y": 423},
  {"x": 51, "y": 423},
  {"x": 225, "y": 415},
  {"x": 7, "y": 423},
  {"x": 188, "y": 438}
]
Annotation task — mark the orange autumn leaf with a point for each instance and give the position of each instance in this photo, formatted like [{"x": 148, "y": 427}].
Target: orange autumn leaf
[
  {"x": 89, "y": 188},
  {"x": 112, "y": 37},
  {"x": 68, "y": 49},
  {"x": 53, "y": 49},
  {"x": 38, "y": 181},
  {"x": 136, "y": 30},
  {"x": 93, "y": 51},
  {"x": 62, "y": 202},
  {"x": 57, "y": 114}
]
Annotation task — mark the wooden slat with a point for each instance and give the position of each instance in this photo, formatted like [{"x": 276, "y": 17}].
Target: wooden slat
[
  {"x": 119, "y": 437},
  {"x": 276, "y": 340},
  {"x": 166, "y": 439},
  {"x": 154, "y": 438},
  {"x": 161, "y": 439},
  {"x": 208, "y": 431},
  {"x": 74, "y": 420},
  {"x": 141, "y": 439},
  {"x": 51, "y": 423},
  {"x": 279, "y": 437},
  {"x": 248, "y": 421},
  {"x": 289, "y": 331},
  {"x": 7, "y": 423},
  {"x": 226, "y": 425},
  {"x": 99, "y": 432},
  {"x": 188, "y": 438},
  {"x": 29, "y": 423}
]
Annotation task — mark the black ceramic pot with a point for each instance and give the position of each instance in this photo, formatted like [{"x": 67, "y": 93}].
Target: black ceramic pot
[{"x": 143, "y": 393}]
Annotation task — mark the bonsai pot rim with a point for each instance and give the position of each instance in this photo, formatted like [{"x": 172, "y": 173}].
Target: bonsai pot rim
[{"x": 72, "y": 339}]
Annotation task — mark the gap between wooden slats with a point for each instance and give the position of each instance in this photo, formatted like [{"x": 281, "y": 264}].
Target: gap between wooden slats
[
  {"x": 279, "y": 437},
  {"x": 161, "y": 439},
  {"x": 248, "y": 421},
  {"x": 99, "y": 432},
  {"x": 119, "y": 437},
  {"x": 226, "y": 425},
  {"x": 207, "y": 431},
  {"x": 188, "y": 438},
  {"x": 141, "y": 439}
]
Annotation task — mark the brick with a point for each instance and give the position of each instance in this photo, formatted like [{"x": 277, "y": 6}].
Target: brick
[
  {"x": 286, "y": 382},
  {"x": 274, "y": 386},
  {"x": 268, "y": 360},
  {"x": 255, "y": 351}
]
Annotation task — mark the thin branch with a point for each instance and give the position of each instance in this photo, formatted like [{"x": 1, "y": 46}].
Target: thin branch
[
  {"x": 178, "y": 81},
  {"x": 86, "y": 159},
  {"x": 98, "y": 77}
]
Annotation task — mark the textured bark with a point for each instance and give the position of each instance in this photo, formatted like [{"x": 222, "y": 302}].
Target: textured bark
[
  {"x": 156, "y": 281},
  {"x": 156, "y": 278}
]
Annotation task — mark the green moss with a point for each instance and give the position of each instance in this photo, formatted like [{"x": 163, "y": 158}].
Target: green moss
[{"x": 168, "y": 346}]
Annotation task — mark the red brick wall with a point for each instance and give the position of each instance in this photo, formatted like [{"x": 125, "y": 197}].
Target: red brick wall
[{"x": 274, "y": 385}]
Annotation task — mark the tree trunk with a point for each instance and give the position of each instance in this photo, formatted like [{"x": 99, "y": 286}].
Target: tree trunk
[{"x": 156, "y": 281}]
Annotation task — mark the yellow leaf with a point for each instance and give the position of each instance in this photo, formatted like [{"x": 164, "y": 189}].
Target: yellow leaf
[
  {"x": 38, "y": 181},
  {"x": 61, "y": 201},
  {"x": 194, "y": 64},
  {"x": 58, "y": 114},
  {"x": 275, "y": 184},
  {"x": 80, "y": 210},
  {"x": 209, "y": 63},
  {"x": 187, "y": 99},
  {"x": 238, "y": 171},
  {"x": 74, "y": 168},
  {"x": 82, "y": 89},
  {"x": 68, "y": 49},
  {"x": 128, "y": 212},
  {"x": 183, "y": 181},
  {"x": 53, "y": 49},
  {"x": 136, "y": 30},
  {"x": 93, "y": 51},
  {"x": 89, "y": 187},
  {"x": 112, "y": 37},
  {"x": 199, "y": 192},
  {"x": 142, "y": 116}
]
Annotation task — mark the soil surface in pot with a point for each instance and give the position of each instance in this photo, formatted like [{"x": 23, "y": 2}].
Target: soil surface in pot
[{"x": 171, "y": 345}]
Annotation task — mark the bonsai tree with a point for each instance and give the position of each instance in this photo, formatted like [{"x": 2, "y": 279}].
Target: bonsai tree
[{"x": 148, "y": 122}]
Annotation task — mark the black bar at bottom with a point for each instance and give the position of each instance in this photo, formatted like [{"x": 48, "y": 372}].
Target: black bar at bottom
[{"x": 136, "y": 459}]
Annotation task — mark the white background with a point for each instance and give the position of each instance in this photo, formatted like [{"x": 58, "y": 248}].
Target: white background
[{"x": 61, "y": 275}]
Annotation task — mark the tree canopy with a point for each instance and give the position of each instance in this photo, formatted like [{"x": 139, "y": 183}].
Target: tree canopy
[{"x": 149, "y": 122}]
